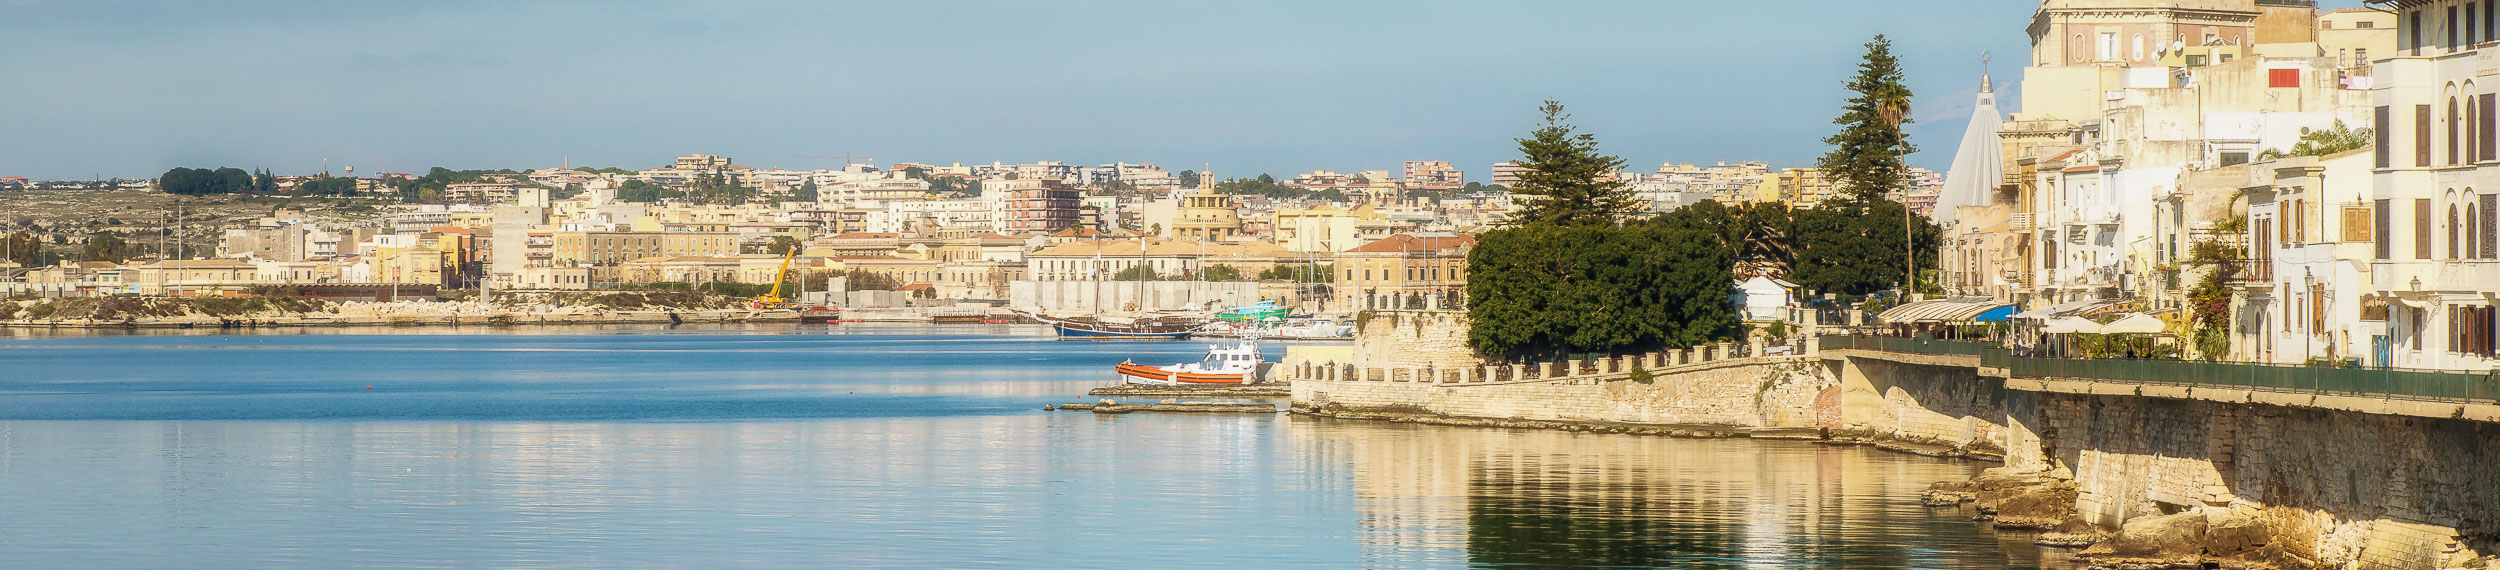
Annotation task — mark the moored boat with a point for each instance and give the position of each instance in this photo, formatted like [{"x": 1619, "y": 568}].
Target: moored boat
[
  {"x": 1235, "y": 363},
  {"x": 1104, "y": 328}
]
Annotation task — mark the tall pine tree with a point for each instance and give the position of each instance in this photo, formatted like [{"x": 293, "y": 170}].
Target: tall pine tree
[
  {"x": 1573, "y": 182},
  {"x": 1867, "y": 154}
]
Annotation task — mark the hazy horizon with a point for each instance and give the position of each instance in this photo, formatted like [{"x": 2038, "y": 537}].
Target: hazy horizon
[{"x": 129, "y": 89}]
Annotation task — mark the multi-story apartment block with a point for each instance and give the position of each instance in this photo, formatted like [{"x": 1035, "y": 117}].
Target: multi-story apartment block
[
  {"x": 2435, "y": 195},
  {"x": 1035, "y": 205},
  {"x": 1433, "y": 175},
  {"x": 614, "y": 248},
  {"x": 1506, "y": 173}
]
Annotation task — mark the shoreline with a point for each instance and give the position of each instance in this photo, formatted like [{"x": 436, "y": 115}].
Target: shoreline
[{"x": 522, "y": 319}]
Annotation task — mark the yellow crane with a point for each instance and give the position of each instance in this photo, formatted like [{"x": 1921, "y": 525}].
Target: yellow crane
[{"x": 773, "y": 300}]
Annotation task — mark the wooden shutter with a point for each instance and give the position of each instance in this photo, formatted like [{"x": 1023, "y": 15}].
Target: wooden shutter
[
  {"x": 2379, "y": 226},
  {"x": 2380, "y": 133},
  {"x": 2355, "y": 224},
  {"x": 2491, "y": 226},
  {"x": 2490, "y": 103},
  {"x": 2282, "y": 78},
  {"x": 2282, "y": 231},
  {"x": 2422, "y": 222},
  {"x": 2421, "y": 135}
]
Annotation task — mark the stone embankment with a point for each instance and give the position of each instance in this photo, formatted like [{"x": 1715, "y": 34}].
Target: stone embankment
[
  {"x": 1260, "y": 391},
  {"x": 1168, "y": 406}
]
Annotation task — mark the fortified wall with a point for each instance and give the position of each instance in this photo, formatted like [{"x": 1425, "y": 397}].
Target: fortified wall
[{"x": 1418, "y": 362}]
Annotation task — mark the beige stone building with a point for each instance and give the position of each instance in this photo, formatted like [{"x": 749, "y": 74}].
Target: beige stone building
[{"x": 1404, "y": 271}]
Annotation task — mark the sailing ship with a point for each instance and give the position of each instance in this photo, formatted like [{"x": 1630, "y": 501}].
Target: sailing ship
[{"x": 1102, "y": 327}]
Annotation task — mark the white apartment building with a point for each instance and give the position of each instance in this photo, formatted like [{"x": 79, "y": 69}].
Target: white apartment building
[{"x": 2435, "y": 259}]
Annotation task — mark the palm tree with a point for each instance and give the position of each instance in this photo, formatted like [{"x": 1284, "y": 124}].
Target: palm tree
[{"x": 2331, "y": 140}]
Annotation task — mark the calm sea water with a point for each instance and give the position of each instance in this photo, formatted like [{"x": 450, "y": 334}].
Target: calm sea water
[{"x": 850, "y": 447}]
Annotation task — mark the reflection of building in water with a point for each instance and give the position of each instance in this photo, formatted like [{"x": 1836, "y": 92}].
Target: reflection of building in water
[{"x": 1542, "y": 497}]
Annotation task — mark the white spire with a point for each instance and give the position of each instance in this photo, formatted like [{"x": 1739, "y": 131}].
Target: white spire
[{"x": 1979, "y": 166}]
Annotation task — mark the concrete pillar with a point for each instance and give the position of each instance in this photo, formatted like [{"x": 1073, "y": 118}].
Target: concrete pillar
[
  {"x": 1813, "y": 345},
  {"x": 1759, "y": 345},
  {"x": 1518, "y": 372}
]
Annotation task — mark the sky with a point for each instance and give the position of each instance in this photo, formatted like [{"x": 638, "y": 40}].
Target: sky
[{"x": 119, "y": 88}]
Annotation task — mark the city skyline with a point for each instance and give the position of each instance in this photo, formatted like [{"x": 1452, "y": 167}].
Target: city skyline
[{"x": 129, "y": 89}]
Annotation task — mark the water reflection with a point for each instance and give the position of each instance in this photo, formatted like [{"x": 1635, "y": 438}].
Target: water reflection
[{"x": 1549, "y": 499}]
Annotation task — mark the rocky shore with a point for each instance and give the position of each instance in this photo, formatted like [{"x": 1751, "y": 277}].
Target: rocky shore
[
  {"x": 1115, "y": 407},
  {"x": 1138, "y": 391}
]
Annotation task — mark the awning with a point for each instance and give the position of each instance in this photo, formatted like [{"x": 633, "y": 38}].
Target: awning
[
  {"x": 2077, "y": 308},
  {"x": 2072, "y": 325},
  {"x": 2138, "y": 323},
  {"x": 1944, "y": 312}
]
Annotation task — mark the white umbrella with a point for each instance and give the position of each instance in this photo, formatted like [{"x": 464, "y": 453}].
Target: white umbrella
[
  {"x": 2138, "y": 323},
  {"x": 2072, "y": 325}
]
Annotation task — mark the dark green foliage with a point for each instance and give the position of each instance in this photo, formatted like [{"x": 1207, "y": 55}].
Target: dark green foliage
[
  {"x": 1854, "y": 248},
  {"x": 954, "y": 186},
  {"x": 1266, "y": 185},
  {"x": 326, "y": 187},
  {"x": 1867, "y": 154},
  {"x": 643, "y": 191},
  {"x": 1543, "y": 290},
  {"x": 1573, "y": 183},
  {"x": 1304, "y": 272},
  {"x": 1137, "y": 273},
  {"x": 103, "y": 246},
  {"x": 805, "y": 193},
  {"x": 1222, "y": 273},
  {"x": 21, "y": 247},
  {"x": 202, "y": 181}
]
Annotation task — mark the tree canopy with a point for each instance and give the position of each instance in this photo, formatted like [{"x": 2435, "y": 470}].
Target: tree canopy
[
  {"x": 2324, "y": 142},
  {"x": 1869, "y": 154},
  {"x": 1573, "y": 182},
  {"x": 202, "y": 181},
  {"x": 1544, "y": 290}
]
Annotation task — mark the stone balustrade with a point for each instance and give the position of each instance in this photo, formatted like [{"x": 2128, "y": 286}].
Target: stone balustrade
[{"x": 1612, "y": 368}]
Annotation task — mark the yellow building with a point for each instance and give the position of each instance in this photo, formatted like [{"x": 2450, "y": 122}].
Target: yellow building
[
  {"x": 1328, "y": 229},
  {"x": 1206, "y": 216},
  {"x": 616, "y": 248},
  {"x": 1404, "y": 271}
]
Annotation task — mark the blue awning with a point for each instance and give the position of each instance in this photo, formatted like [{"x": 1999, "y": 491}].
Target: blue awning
[{"x": 1996, "y": 315}]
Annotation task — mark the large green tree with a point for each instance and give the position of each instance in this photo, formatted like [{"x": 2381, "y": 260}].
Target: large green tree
[
  {"x": 203, "y": 181},
  {"x": 1543, "y": 290},
  {"x": 21, "y": 247},
  {"x": 1868, "y": 155},
  {"x": 1571, "y": 181}
]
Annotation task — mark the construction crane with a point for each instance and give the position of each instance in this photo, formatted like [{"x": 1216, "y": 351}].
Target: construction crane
[
  {"x": 773, "y": 300},
  {"x": 846, "y": 157}
]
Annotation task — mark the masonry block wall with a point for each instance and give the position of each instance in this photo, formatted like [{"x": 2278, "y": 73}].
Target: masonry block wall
[
  {"x": 1743, "y": 393},
  {"x": 2344, "y": 489}
]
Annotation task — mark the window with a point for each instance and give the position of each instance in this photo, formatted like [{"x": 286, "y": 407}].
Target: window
[
  {"x": 2139, "y": 48},
  {"x": 2490, "y": 124},
  {"x": 2379, "y": 224},
  {"x": 2283, "y": 78},
  {"x": 2366, "y": 25},
  {"x": 2413, "y": 30},
  {"x": 2422, "y": 228},
  {"x": 2421, "y": 135},
  {"x": 2355, "y": 224},
  {"x": 2452, "y": 132},
  {"x": 2491, "y": 226},
  {"x": 2452, "y": 232},
  {"x": 2469, "y": 23},
  {"x": 2452, "y": 28},
  {"x": 2381, "y": 134},
  {"x": 2109, "y": 46}
]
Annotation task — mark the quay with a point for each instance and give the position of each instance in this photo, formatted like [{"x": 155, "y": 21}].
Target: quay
[
  {"x": 2291, "y": 466},
  {"x": 1255, "y": 391},
  {"x": 1169, "y": 406}
]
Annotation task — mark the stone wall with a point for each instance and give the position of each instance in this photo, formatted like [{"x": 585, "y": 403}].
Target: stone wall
[
  {"x": 2340, "y": 489},
  {"x": 1745, "y": 392},
  {"x": 1935, "y": 405},
  {"x": 1409, "y": 339}
]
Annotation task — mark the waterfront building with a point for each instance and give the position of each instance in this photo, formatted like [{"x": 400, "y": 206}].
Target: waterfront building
[
  {"x": 2435, "y": 195},
  {"x": 614, "y": 248},
  {"x": 1327, "y": 229},
  {"x": 1404, "y": 271},
  {"x": 1205, "y": 216}
]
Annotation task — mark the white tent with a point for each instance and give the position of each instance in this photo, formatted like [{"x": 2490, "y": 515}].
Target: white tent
[
  {"x": 2138, "y": 323},
  {"x": 1979, "y": 165},
  {"x": 2072, "y": 325}
]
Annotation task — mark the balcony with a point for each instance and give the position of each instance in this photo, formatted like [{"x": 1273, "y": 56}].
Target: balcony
[{"x": 2019, "y": 222}]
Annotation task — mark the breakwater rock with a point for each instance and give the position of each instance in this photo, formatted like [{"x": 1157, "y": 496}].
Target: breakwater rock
[{"x": 1169, "y": 406}]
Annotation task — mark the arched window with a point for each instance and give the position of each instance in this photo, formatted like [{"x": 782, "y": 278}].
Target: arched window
[
  {"x": 2452, "y": 232},
  {"x": 2139, "y": 47},
  {"x": 2452, "y": 130},
  {"x": 2473, "y": 231}
]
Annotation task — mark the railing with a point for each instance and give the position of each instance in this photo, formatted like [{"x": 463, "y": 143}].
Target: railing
[
  {"x": 2372, "y": 382},
  {"x": 1909, "y": 345},
  {"x": 2376, "y": 382}
]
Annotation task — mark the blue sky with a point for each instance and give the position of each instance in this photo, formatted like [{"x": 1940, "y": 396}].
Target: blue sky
[{"x": 117, "y": 88}]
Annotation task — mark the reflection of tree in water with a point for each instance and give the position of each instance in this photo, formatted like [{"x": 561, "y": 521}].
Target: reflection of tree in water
[
  {"x": 1715, "y": 505},
  {"x": 1529, "y": 519}
]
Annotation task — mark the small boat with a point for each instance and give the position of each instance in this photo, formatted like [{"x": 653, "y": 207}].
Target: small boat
[
  {"x": 1099, "y": 328},
  {"x": 1236, "y": 363},
  {"x": 1272, "y": 329},
  {"x": 1254, "y": 313}
]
